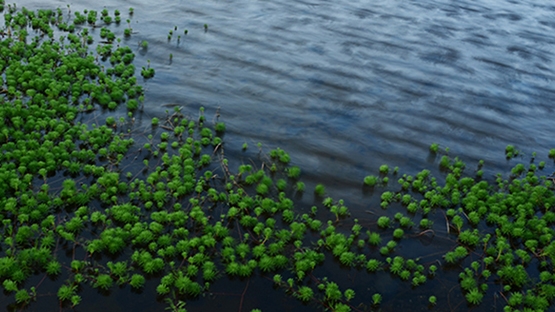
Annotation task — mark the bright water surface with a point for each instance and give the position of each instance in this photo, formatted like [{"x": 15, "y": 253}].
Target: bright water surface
[{"x": 345, "y": 86}]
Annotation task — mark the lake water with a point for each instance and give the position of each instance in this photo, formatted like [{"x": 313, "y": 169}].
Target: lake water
[{"x": 346, "y": 86}]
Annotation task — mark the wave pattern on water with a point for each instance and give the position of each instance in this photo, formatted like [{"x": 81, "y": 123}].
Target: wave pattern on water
[{"x": 366, "y": 81}]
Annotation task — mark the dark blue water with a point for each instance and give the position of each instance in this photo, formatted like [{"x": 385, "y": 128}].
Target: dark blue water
[{"x": 347, "y": 85}]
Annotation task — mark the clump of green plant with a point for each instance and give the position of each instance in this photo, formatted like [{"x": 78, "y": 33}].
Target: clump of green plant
[
  {"x": 147, "y": 72},
  {"x": 511, "y": 151},
  {"x": 371, "y": 180},
  {"x": 320, "y": 190}
]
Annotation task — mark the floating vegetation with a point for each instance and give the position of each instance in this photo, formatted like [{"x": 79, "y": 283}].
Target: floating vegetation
[{"x": 78, "y": 209}]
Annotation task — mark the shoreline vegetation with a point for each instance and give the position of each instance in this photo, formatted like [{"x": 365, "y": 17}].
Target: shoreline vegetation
[{"x": 105, "y": 204}]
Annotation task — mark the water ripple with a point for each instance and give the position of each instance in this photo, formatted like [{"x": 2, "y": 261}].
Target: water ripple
[{"x": 346, "y": 85}]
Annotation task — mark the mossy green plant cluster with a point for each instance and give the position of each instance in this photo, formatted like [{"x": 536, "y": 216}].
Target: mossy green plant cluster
[
  {"x": 504, "y": 229},
  {"x": 104, "y": 204}
]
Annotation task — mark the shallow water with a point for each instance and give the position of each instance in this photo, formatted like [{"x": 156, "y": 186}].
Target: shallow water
[{"x": 345, "y": 86}]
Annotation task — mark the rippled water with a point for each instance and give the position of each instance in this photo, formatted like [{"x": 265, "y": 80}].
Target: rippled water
[{"x": 346, "y": 86}]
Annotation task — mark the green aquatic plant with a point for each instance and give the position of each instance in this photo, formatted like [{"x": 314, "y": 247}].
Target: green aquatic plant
[
  {"x": 65, "y": 292},
  {"x": 147, "y": 72},
  {"x": 510, "y": 151},
  {"x": 445, "y": 162},
  {"x": 220, "y": 127},
  {"x": 374, "y": 238},
  {"x": 137, "y": 281},
  {"x": 376, "y": 299},
  {"x": 406, "y": 222},
  {"x": 9, "y": 285},
  {"x": 398, "y": 233},
  {"x": 456, "y": 255},
  {"x": 406, "y": 200},
  {"x": 474, "y": 296},
  {"x": 305, "y": 293},
  {"x": 391, "y": 245},
  {"x": 22, "y": 297},
  {"x": 349, "y": 294},
  {"x": 432, "y": 269},
  {"x": 383, "y": 222},
  {"x": 386, "y": 197},
  {"x": 347, "y": 258},
  {"x": 371, "y": 180},
  {"x": 53, "y": 268},
  {"x": 91, "y": 17},
  {"x": 373, "y": 265},
  {"x": 160, "y": 208},
  {"x": 293, "y": 172},
  {"x": 320, "y": 190}
]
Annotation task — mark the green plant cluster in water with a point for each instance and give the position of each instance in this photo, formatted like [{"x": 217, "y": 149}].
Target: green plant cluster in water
[{"x": 170, "y": 209}]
